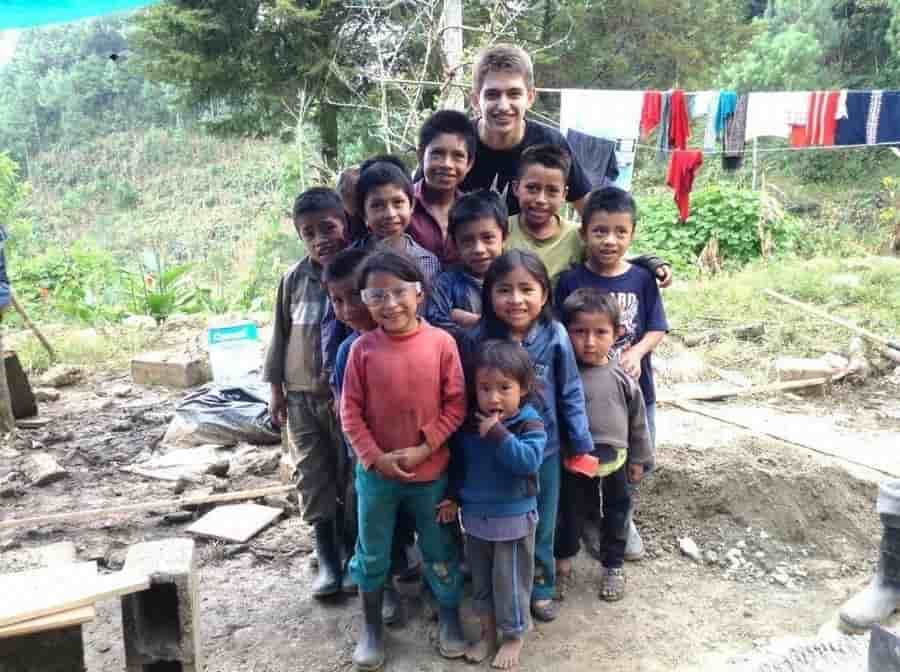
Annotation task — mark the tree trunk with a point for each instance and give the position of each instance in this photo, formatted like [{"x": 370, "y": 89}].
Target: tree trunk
[
  {"x": 7, "y": 421},
  {"x": 328, "y": 132},
  {"x": 452, "y": 52}
]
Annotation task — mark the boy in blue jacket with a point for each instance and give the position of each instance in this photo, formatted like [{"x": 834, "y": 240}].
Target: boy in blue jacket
[{"x": 494, "y": 465}]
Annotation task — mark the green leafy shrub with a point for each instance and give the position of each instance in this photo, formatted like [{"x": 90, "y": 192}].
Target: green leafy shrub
[
  {"x": 159, "y": 290},
  {"x": 728, "y": 214}
]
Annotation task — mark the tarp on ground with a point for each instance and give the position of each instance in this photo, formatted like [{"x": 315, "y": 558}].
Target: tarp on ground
[{"x": 30, "y": 13}]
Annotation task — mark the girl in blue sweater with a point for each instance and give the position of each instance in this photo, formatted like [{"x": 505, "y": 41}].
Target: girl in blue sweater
[
  {"x": 494, "y": 465},
  {"x": 516, "y": 307}
]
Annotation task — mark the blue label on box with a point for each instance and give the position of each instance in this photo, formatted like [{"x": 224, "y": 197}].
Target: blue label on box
[{"x": 245, "y": 331}]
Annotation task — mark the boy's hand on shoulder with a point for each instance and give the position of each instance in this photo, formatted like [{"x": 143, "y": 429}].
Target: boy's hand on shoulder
[
  {"x": 635, "y": 473},
  {"x": 391, "y": 466},
  {"x": 664, "y": 275},
  {"x": 278, "y": 406},
  {"x": 447, "y": 511},
  {"x": 464, "y": 318},
  {"x": 486, "y": 422},
  {"x": 630, "y": 361}
]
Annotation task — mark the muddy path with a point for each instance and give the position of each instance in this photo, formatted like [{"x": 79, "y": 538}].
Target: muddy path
[{"x": 785, "y": 536}]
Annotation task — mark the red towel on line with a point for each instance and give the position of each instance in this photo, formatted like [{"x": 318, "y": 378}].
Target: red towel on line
[
  {"x": 651, "y": 112},
  {"x": 682, "y": 170},
  {"x": 679, "y": 121},
  {"x": 821, "y": 121}
]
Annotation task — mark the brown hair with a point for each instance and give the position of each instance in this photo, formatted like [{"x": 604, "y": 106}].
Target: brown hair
[{"x": 503, "y": 58}]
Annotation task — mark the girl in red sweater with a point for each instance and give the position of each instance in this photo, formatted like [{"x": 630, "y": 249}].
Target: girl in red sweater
[{"x": 403, "y": 397}]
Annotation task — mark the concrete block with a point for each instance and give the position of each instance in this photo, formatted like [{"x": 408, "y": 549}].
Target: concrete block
[
  {"x": 161, "y": 625},
  {"x": 799, "y": 368},
  {"x": 170, "y": 369},
  {"x": 54, "y": 651},
  {"x": 41, "y": 469}
]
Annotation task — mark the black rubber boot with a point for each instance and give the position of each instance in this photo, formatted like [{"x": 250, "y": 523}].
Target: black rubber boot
[
  {"x": 393, "y": 611},
  {"x": 369, "y": 652},
  {"x": 452, "y": 641},
  {"x": 328, "y": 580},
  {"x": 881, "y": 597}
]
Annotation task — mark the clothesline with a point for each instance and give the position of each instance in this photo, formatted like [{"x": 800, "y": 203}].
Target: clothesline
[{"x": 767, "y": 150}]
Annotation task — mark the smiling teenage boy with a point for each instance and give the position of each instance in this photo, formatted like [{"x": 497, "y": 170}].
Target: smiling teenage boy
[
  {"x": 446, "y": 152},
  {"x": 503, "y": 92},
  {"x": 301, "y": 396}
]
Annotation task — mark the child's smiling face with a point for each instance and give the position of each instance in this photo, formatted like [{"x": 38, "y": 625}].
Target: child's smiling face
[
  {"x": 479, "y": 242},
  {"x": 607, "y": 236},
  {"x": 393, "y": 302},
  {"x": 541, "y": 192},
  {"x": 518, "y": 299},
  {"x": 497, "y": 393},
  {"x": 348, "y": 305},
  {"x": 323, "y": 233},
  {"x": 387, "y": 211},
  {"x": 446, "y": 162}
]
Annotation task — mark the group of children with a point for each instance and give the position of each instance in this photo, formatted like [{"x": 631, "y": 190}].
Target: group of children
[{"x": 488, "y": 373}]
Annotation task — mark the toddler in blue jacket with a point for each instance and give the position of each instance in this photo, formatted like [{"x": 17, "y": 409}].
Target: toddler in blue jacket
[{"x": 494, "y": 465}]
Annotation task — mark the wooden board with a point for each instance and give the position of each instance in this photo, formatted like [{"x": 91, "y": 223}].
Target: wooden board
[
  {"x": 63, "y": 619},
  {"x": 238, "y": 522},
  {"x": 61, "y": 588}
]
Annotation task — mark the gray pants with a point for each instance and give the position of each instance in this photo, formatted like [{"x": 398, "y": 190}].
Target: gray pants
[
  {"x": 316, "y": 446},
  {"x": 502, "y": 577}
]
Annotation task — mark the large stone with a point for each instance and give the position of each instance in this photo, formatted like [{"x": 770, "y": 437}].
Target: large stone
[
  {"x": 170, "y": 369},
  {"x": 161, "y": 625},
  {"x": 140, "y": 322},
  {"x": 45, "y": 394},
  {"x": 61, "y": 376},
  {"x": 41, "y": 469}
]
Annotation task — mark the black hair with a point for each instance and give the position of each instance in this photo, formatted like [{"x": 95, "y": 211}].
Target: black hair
[
  {"x": 510, "y": 359},
  {"x": 393, "y": 263},
  {"x": 590, "y": 300},
  {"x": 344, "y": 265},
  {"x": 502, "y": 266},
  {"x": 451, "y": 122},
  {"x": 612, "y": 200},
  {"x": 317, "y": 199},
  {"x": 548, "y": 156},
  {"x": 378, "y": 172},
  {"x": 483, "y": 203},
  {"x": 346, "y": 183}
]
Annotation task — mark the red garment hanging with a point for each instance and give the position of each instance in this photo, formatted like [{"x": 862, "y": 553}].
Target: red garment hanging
[
  {"x": 682, "y": 170},
  {"x": 821, "y": 122},
  {"x": 651, "y": 112},
  {"x": 679, "y": 120}
]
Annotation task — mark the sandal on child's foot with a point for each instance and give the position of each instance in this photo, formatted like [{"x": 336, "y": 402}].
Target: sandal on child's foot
[
  {"x": 479, "y": 651},
  {"x": 545, "y": 610},
  {"x": 564, "y": 583},
  {"x": 507, "y": 657},
  {"x": 612, "y": 585}
]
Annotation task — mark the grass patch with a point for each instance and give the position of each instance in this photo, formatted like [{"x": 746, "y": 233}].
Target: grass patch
[
  {"x": 101, "y": 348},
  {"x": 865, "y": 291}
]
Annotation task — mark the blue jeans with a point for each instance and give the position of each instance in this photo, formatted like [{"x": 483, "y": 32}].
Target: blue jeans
[
  {"x": 547, "y": 506},
  {"x": 378, "y": 501}
]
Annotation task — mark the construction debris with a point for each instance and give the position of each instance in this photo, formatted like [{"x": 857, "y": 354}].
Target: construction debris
[
  {"x": 238, "y": 523},
  {"x": 42, "y": 469}
]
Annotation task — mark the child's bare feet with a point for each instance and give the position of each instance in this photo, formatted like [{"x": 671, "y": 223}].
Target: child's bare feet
[
  {"x": 507, "y": 657},
  {"x": 480, "y": 650},
  {"x": 563, "y": 567}
]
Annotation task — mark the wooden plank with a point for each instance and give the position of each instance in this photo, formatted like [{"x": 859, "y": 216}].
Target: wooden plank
[
  {"x": 238, "y": 523},
  {"x": 63, "y": 619},
  {"x": 61, "y": 588}
]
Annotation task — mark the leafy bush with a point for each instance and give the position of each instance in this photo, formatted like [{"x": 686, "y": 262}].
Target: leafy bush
[{"x": 731, "y": 215}]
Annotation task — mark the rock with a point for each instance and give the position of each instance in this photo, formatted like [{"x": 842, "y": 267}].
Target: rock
[
  {"x": 45, "y": 394},
  {"x": 122, "y": 426},
  {"x": 711, "y": 557},
  {"x": 859, "y": 367},
  {"x": 122, "y": 391},
  {"x": 689, "y": 548},
  {"x": 181, "y": 485},
  {"x": 219, "y": 468},
  {"x": 10, "y": 545},
  {"x": 177, "y": 518},
  {"x": 741, "y": 544},
  {"x": 782, "y": 579},
  {"x": 256, "y": 461},
  {"x": 139, "y": 322},
  {"x": 61, "y": 376},
  {"x": 744, "y": 332},
  {"x": 41, "y": 469},
  {"x": 232, "y": 550}
]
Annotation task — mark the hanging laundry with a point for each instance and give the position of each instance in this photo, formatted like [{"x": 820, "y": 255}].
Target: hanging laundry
[
  {"x": 727, "y": 104},
  {"x": 682, "y": 171},
  {"x": 650, "y": 113},
  {"x": 709, "y": 134},
  {"x": 662, "y": 138},
  {"x": 699, "y": 101},
  {"x": 735, "y": 132},
  {"x": 679, "y": 121},
  {"x": 874, "y": 117},
  {"x": 822, "y": 117},
  {"x": 852, "y": 129},
  {"x": 596, "y": 156},
  {"x": 610, "y": 115},
  {"x": 769, "y": 113},
  {"x": 889, "y": 120}
]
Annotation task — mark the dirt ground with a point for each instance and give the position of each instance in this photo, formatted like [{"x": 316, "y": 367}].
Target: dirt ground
[{"x": 785, "y": 535}]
